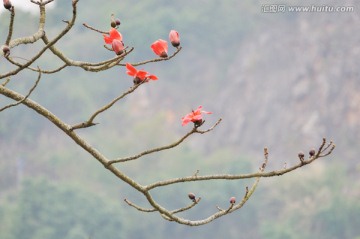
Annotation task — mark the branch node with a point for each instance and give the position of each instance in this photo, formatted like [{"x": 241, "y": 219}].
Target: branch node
[{"x": 82, "y": 125}]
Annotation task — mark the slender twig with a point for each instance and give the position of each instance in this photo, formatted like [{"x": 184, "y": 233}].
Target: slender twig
[
  {"x": 11, "y": 25},
  {"x": 138, "y": 207},
  {"x": 90, "y": 122},
  {"x": 12, "y": 61},
  {"x": 142, "y": 209},
  {"x": 27, "y": 96},
  {"x": 59, "y": 36},
  {"x": 236, "y": 177},
  {"x": 94, "y": 29},
  {"x": 195, "y": 202},
  {"x": 156, "y": 59},
  {"x": 176, "y": 143},
  {"x": 6, "y": 81}
]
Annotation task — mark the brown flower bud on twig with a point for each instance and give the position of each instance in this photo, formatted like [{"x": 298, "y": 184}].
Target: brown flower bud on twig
[
  {"x": 6, "y": 51},
  {"x": 312, "y": 152},
  {"x": 7, "y": 4},
  {"x": 232, "y": 200},
  {"x": 301, "y": 156},
  {"x": 192, "y": 197}
]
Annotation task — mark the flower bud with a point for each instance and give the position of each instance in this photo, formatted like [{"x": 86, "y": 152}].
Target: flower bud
[
  {"x": 7, "y": 4},
  {"x": 117, "y": 22},
  {"x": 312, "y": 152},
  {"x": 117, "y": 46},
  {"x": 301, "y": 156},
  {"x": 232, "y": 200},
  {"x": 137, "y": 80},
  {"x": 198, "y": 123},
  {"x": 174, "y": 38},
  {"x": 163, "y": 54},
  {"x": 113, "y": 24},
  {"x": 192, "y": 196},
  {"x": 6, "y": 51},
  {"x": 160, "y": 48}
]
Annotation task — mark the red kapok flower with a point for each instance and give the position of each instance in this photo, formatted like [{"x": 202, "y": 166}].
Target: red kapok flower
[
  {"x": 113, "y": 35},
  {"x": 118, "y": 47},
  {"x": 195, "y": 117},
  {"x": 139, "y": 75},
  {"x": 174, "y": 38},
  {"x": 160, "y": 47}
]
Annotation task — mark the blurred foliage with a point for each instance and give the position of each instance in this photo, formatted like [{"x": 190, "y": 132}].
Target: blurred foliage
[{"x": 48, "y": 210}]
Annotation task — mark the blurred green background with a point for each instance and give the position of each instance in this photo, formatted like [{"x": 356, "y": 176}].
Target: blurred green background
[{"x": 282, "y": 80}]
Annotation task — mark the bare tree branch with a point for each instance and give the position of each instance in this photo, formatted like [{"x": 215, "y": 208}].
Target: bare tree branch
[
  {"x": 11, "y": 25},
  {"x": 94, "y": 29},
  {"x": 236, "y": 177},
  {"x": 27, "y": 96},
  {"x": 90, "y": 121},
  {"x": 324, "y": 149},
  {"x": 150, "y": 151},
  {"x": 41, "y": 3},
  {"x": 39, "y": 54},
  {"x": 156, "y": 59}
]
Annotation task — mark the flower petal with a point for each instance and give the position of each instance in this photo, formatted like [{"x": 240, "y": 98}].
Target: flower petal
[
  {"x": 160, "y": 47},
  {"x": 107, "y": 39},
  {"x": 185, "y": 121},
  {"x": 113, "y": 35},
  {"x": 131, "y": 71},
  {"x": 152, "y": 77},
  {"x": 141, "y": 74},
  {"x": 206, "y": 112}
]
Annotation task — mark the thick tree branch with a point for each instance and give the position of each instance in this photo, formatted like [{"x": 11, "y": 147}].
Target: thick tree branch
[{"x": 75, "y": 137}]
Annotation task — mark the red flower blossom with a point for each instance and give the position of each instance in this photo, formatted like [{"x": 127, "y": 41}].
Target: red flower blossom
[
  {"x": 174, "y": 38},
  {"x": 139, "y": 75},
  {"x": 113, "y": 35},
  {"x": 117, "y": 46},
  {"x": 160, "y": 47},
  {"x": 195, "y": 117}
]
